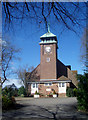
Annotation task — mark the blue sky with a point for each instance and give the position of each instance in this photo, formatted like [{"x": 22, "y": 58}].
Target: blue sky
[{"x": 27, "y": 38}]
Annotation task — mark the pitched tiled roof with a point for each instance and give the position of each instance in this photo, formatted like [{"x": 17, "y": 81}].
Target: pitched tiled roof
[{"x": 34, "y": 76}]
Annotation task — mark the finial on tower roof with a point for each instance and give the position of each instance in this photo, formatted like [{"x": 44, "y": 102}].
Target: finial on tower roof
[{"x": 48, "y": 27}]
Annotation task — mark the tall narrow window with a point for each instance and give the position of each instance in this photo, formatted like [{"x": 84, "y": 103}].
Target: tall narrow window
[
  {"x": 36, "y": 85},
  {"x": 59, "y": 84},
  {"x": 63, "y": 85},
  {"x": 33, "y": 85}
]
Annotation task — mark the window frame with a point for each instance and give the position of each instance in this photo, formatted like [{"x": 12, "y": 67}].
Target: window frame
[
  {"x": 48, "y": 84},
  {"x": 61, "y": 84},
  {"x": 34, "y": 85}
]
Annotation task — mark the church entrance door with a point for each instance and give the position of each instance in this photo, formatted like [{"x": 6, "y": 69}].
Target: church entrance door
[{"x": 62, "y": 87}]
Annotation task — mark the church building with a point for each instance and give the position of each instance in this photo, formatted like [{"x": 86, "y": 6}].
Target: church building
[{"x": 51, "y": 74}]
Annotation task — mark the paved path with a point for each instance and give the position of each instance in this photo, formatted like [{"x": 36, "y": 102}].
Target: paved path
[{"x": 46, "y": 108}]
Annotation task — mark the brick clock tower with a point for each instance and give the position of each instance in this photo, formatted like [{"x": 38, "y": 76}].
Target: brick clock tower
[{"x": 48, "y": 64}]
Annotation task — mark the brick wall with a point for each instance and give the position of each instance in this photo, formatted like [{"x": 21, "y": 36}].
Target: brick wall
[
  {"x": 42, "y": 89},
  {"x": 48, "y": 70},
  {"x": 61, "y": 69}
]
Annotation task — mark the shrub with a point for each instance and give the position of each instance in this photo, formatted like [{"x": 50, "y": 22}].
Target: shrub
[
  {"x": 9, "y": 92},
  {"x": 36, "y": 93},
  {"x": 75, "y": 92},
  {"x": 54, "y": 92},
  {"x": 69, "y": 92},
  {"x": 50, "y": 94},
  {"x": 7, "y": 102},
  {"x": 41, "y": 95},
  {"x": 82, "y": 92},
  {"x": 22, "y": 95},
  {"x": 21, "y": 91}
]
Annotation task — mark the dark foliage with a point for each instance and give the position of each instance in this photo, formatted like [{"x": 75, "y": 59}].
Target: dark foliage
[
  {"x": 70, "y": 92},
  {"x": 8, "y": 100},
  {"x": 9, "y": 92},
  {"x": 82, "y": 92},
  {"x": 8, "y": 103},
  {"x": 22, "y": 91}
]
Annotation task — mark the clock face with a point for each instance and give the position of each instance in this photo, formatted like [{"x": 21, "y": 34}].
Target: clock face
[{"x": 48, "y": 49}]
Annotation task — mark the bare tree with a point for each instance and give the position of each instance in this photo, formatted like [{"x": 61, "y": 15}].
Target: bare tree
[
  {"x": 71, "y": 14},
  {"x": 8, "y": 55},
  {"x": 23, "y": 74},
  {"x": 84, "y": 50}
]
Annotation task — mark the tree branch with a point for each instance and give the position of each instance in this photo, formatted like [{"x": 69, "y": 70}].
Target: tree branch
[{"x": 44, "y": 15}]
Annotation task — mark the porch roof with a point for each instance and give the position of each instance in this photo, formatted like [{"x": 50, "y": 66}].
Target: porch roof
[{"x": 50, "y": 81}]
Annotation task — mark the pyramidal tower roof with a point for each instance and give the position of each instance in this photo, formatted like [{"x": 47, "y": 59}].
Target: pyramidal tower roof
[{"x": 48, "y": 34}]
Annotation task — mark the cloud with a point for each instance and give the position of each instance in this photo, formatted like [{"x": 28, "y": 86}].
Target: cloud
[{"x": 11, "y": 81}]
